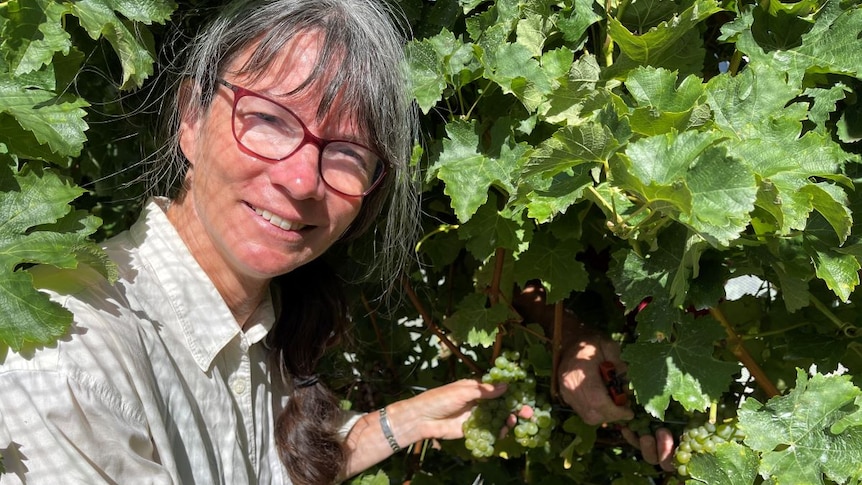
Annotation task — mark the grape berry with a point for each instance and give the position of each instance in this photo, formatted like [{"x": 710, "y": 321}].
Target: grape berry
[
  {"x": 489, "y": 417},
  {"x": 703, "y": 439}
]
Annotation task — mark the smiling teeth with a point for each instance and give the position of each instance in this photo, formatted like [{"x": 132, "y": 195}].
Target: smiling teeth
[{"x": 278, "y": 221}]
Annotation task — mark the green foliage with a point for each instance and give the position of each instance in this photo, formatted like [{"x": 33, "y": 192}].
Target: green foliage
[
  {"x": 632, "y": 156},
  {"x": 39, "y": 227},
  {"x": 42, "y": 120},
  {"x": 642, "y": 152},
  {"x": 810, "y": 434}
]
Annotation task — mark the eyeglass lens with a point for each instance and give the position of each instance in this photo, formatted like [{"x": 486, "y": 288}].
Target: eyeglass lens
[{"x": 271, "y": 131}]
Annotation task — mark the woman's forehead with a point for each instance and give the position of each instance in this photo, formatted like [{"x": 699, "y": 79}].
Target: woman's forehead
[
  {"x": 293, "y": 76},
  {"x": 281, "y": 73}
]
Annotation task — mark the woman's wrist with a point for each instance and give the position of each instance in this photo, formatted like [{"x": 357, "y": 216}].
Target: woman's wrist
[
  {"x": 401, "y": 423},
  {"x": 386, "y": 427}
]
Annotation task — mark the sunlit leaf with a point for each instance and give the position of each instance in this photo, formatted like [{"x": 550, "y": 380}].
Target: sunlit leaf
[
  {"x": 38, "y": 227},
  {"x": 794, "y": 432}
]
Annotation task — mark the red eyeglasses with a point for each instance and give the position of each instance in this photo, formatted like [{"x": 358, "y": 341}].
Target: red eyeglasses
[{"x": 268, "y": 130}]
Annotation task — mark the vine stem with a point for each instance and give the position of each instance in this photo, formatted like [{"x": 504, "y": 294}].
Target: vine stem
[
  {"x": 429, "y": 322},
  {"x": 608, "y": 44},
  {"x": 607, "y": 205},
  {"x": 372, "y": 315},
  {"x": 444, "y": 228},
  {"x": 557, "y": 344},
  {"x": 533, "y": 334},
  {"x": 488, "y": 88},
  {"x": 494, "y": 296},
  {"x": 846, "y": 328},
  {"x": 773, "y": 332},
  {"x": 735, "y": 346}
]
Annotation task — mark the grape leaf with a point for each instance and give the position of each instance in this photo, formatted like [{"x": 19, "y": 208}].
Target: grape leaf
[
  {"x": 565, "y": 103},
  {"x": 681, "y": 368},
  {"x": 442, "y": 246},
  {"x": 570, "y": 146},
  {"x": 574, "y": 24},
  {"x": 661, "y": 274},
  {"x": 825, "y": 102},
  {"x": 55, "y": 121},
  {"x": 379, "y": 478},
  {"x": 468, "y": 173},
  {"x": 723, "y": 192},
  {"x": 731, "y": 464},
  {"x": 554, "y": 264},
  {"x": 551, "y": 197},
  {"x": 530, "y": 32},
  {"x": 829, "y": 46},
  {"x": 685, "y": 56},
  {"x": 490, "y": 229},
  {"x": 794, "y": 289},
  {"x": 794, "y": 435},
  {"x": 757, "y": 93},
  {"x": 134, "y": 46},
  {"x": 33, "y": 33},
  {"x": 38, "y": 228},
  {"x": 644, "y": 15},
  {"x": 436, "y": 62},
  {"x": 787, "y": 192},
  {"x": 585, "y": 436},
  {"x": 655, "y": 322},
  {"x": 831, "y": 202},
  {"x": 145, "y": 12},
  {"x": 473, "y": 323},
  {"x": 840, "y": 272},
  {"x": 517, "y": 72},
  {"x": 425, "y": 77},
  {"x": 684, "y": 174},
  {"x": 661, "y": 105},
  {"x": 645, "y": 48}
]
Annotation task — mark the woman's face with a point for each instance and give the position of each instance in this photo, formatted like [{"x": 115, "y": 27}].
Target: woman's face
[{"x": 253, "y": 218}]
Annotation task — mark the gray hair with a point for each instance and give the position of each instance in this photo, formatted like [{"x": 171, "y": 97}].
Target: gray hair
[{"x": 361, "y": 63}]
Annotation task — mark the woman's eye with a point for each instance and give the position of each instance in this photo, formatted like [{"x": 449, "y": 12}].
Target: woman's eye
[
  {"x": 268, "y": 118},
  {"x": 347, "y": 154},
  {"x": 265, "y": 117}
]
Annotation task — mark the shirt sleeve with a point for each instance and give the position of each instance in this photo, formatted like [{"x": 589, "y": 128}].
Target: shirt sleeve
[
  {"x": 349, "y": 419},
  {"x": 57, "y": 428}
]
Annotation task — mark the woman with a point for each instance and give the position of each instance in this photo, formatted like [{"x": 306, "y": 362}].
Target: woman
[{"x": 293, "y": 129}]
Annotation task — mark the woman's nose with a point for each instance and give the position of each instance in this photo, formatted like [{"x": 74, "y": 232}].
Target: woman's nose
[{"x": 299, "y": 174}]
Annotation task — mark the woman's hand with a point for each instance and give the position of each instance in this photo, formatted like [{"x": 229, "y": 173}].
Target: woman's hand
[
  {"x": 441, "y": 412},
  {"x": 581, "y": 383},
  {"x": 583, "y": 388},
  {"x": 437, "y": 413}
]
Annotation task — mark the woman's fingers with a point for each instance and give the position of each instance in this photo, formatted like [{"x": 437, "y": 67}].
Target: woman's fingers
[{"x": 656, "y": 449}]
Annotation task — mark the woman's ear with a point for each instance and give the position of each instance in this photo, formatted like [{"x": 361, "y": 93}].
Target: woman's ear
[{"x": 190, "y": 118}]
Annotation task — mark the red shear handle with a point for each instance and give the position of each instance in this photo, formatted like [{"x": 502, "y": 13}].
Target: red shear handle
[{"x": 615, "y": 385}]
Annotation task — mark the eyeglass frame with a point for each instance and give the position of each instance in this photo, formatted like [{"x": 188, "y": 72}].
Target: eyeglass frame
[{"x": 308, "y": 137}]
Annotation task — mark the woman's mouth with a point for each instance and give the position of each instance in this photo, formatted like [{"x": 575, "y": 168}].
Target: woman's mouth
[{"x": 277, "y": 221}]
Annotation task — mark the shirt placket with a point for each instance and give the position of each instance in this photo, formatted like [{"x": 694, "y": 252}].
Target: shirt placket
[{"x": 241, "y": 386}]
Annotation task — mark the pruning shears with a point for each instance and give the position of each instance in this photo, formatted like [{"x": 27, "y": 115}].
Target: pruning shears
[{"x": 614, "y": 382}]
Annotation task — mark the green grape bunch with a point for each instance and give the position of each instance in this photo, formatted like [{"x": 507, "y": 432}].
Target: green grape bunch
[
  {"x": 704, "y": 439},
  {"x": 533, "y": 422}
]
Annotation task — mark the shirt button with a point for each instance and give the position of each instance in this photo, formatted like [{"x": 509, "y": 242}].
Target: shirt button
[{"x": 238, "y": 386}]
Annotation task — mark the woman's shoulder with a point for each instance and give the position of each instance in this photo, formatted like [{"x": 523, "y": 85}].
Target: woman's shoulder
[{"x": 98, "y": 335}]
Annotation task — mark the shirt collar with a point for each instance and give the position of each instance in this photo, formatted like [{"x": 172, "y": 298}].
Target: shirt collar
[{"x": 202, "y": 314}]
